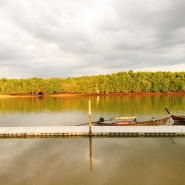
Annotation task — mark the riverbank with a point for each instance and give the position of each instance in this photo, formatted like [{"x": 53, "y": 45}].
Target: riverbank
[
  {"x": 45, "y": 95},
  {"x": 98, "y": 94}
]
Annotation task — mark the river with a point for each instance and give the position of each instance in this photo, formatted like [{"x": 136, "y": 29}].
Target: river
[{"x": 102, "y": 161}]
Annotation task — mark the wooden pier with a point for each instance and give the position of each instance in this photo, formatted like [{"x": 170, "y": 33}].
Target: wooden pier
[{"x": 96, "y": 131}]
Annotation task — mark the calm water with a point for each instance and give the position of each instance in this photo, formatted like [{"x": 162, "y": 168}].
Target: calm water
[{"x": 101, "y": 161}]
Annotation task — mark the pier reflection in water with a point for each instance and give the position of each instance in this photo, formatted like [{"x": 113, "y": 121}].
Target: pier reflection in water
[
  {"x": 90, "y": 153},
  {"x": 92, "y": 161}
]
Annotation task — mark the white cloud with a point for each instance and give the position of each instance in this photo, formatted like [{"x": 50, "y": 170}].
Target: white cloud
[{"x": 89, "y": 37}]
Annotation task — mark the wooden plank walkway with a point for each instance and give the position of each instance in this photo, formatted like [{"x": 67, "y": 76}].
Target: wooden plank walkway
[{"x": 97, "y": 131}]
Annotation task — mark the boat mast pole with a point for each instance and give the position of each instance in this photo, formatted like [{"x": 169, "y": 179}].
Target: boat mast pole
[{"x": 90, "y": 119}]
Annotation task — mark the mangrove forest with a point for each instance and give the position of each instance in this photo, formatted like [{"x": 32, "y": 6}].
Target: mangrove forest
[{"x": 121, "y": 82}]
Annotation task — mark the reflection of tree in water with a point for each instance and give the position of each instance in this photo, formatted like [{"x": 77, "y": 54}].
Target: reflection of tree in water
[{"x": 112, "y": 105}]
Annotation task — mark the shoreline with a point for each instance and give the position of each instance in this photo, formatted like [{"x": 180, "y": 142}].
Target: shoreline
[
  {"x": 38, "y": 96},
  {"x": 97, "y": 94}
]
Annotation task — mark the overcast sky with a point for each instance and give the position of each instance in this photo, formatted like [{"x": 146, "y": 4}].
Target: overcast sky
[{"x": 66, "y": 38}]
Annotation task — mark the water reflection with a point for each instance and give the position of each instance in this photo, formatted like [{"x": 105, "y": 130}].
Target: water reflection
[
  {"x": 73, "y": 110},
  {"x": 90, "y": 154},
  {"x": 89, "y": 160},
  {"x": 116, "y": 104},
  {"x": 108, "y": 161},
  {"x": 172, "y": 140}
]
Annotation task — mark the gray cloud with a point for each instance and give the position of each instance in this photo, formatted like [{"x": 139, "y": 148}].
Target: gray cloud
[{"x": 74, "y": 38}]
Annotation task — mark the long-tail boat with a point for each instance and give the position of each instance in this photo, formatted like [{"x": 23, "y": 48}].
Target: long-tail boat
[
  {"x": 176, "y": 118},
  {"x": 123, "y": 122}
]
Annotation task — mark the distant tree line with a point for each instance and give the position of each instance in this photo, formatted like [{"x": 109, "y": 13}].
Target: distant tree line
[{"x": 121, "y": 82}]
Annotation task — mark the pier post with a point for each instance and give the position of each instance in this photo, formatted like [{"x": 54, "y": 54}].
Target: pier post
[{"x": 90, "y": 119}]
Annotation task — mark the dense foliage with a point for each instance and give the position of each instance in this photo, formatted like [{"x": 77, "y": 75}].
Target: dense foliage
[{"x": 121, "y": 82}]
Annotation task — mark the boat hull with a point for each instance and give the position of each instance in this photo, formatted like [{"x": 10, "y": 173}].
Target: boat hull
[
  {"x": 178, "y": 118},
  {"x": 131, "y": 123}
]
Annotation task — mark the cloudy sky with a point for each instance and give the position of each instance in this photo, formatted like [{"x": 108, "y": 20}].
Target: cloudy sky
[{"x": 65, "y": 38}]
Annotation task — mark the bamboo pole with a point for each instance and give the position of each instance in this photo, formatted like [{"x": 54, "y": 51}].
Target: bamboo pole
[{"x": 90, "y": 119}]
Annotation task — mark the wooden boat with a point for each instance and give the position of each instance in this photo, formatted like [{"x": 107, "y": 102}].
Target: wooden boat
[
  {"x": 134, "y": 122},
  {"x": 177, "y": 118}
]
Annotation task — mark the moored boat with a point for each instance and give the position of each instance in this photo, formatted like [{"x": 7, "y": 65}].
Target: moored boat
[
  {"x": 177, "y": 118},
  {"x": 134, "y": 122}
]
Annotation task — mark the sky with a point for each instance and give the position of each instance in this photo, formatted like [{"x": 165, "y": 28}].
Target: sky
[{"x": 72, "y": 38}]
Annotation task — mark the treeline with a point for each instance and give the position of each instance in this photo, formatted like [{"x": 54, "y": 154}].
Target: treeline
[{"x": 121, "y": 82}]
